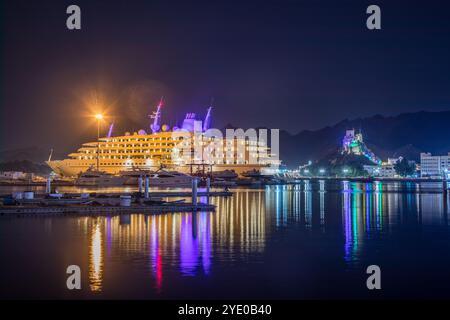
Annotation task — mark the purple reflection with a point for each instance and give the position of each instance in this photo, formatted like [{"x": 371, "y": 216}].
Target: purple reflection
[
  {"x": 205, "y": 239},
  {"x": 203, "y": 199},
  {"x": 347, "y": 222},
  {"x": 368, "y": 207},
  {"x": 188, "y": 245},
  {"x": 156, "y": 256},
  {"x": 194, "y": 238}
]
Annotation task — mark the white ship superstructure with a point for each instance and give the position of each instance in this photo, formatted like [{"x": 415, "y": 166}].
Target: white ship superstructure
[{"x": 161, "y": 148}]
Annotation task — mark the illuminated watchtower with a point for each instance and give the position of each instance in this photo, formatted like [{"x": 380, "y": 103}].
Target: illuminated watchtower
[{"x": 354, "y": 144}]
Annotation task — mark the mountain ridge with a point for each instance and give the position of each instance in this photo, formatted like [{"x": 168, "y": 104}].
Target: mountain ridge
[{"x": 406, "y": 134}]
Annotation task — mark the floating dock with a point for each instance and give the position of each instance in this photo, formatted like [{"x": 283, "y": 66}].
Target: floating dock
[
  {"x": 152, "y": 194},
  {"x": 91, "y": 210},
  {"x": 162, "y": 194},
  {"x": 108, "y": 203}
]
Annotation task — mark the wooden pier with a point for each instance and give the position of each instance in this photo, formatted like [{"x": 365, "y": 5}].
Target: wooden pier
[
  {"x": 91, "y": 210},
  {"x": 163, "y": 194},
  {"x": 111, "y": 203},
  {"x": 152, "y": 194}
]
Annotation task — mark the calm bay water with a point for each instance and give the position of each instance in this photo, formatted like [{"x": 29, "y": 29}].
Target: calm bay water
[{"x": 277, "y": 242}]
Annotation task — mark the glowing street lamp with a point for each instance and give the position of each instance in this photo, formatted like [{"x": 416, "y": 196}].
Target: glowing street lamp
[
  {"x": 99, "y": 118},
  {"x": 322, "y": 171},
  {"x": 345, "y": 171}
]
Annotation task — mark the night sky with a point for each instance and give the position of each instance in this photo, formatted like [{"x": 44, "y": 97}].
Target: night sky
[{"x": 292, "y": 65}]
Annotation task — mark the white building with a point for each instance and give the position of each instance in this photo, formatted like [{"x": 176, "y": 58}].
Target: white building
[
  {"x": 394, "y": 161},
  {"x": 385, "y": 170},
  {"x": 12, "y": 175},
  {"x": 434, "y": 166}
]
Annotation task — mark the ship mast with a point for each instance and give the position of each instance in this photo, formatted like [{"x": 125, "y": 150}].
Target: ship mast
[
  {"x": 111, "y": 127},
  {"x": 156, "y": 116},
  {"x": 207, "y": 122}
]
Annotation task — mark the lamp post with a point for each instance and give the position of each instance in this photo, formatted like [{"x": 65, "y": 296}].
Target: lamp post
[
  {"x": 99, "y": 118},
  {"x": 345, "y": 171}
]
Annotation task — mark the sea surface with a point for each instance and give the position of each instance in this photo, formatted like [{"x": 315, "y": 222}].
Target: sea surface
[{"x": 313, "y": 240}]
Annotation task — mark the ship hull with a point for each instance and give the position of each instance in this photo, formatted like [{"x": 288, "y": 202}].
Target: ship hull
[
  {"x": 73, "y": 167},
  {"x": 173, "y": 182}
]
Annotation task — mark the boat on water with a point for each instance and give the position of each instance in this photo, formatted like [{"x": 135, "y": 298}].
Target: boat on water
[
  {"x": 248, "y": 182},
  {"x": 162, "y": 145},
  {"x": 93, "y": 177},
  {"x": 253, "y": 174},
  {"x": 160, "y": 178},
  {"x": 224, "y": 174},
  {"x": 256, "y": 176},
  {"x": 219, "y": 182}
]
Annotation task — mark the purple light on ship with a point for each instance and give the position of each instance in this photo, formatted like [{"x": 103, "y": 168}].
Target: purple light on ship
[{"x": 110, "y": 131}]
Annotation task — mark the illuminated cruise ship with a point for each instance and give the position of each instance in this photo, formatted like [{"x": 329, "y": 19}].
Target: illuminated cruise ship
[{"x": 162, "y": 148}]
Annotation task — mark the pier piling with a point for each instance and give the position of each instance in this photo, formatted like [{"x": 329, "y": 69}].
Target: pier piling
[
  {"x": 194, "y": 192},
  {"x": 48, "y": 186},
  {"x": 140, "y": 184},
  {"x": 208, "y": 184},
  {"x": 208, "y": 188},
  {"x": 147, "y": 183},
  {"x": 444, "y": 195}
]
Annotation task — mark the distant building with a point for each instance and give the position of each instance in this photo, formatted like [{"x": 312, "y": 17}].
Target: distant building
[
  {"x": 384, "y": 171},
  {"x": 394, "y": 160},
  {"x": 434, "y": 166},
  {"x": 12, "y": 175}
]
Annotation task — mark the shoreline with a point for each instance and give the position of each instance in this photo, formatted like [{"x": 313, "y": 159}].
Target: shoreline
[{"x": 288, "y": 181}]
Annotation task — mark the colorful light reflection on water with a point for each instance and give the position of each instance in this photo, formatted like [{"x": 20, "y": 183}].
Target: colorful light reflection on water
[{"x": 278, "y": 231}]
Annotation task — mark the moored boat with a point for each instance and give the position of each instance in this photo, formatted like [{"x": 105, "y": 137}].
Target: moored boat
[
  {"x": 160, "y": 178},
  {"x": 224, "y": 174},
  {"x": 98, "y": 178}
]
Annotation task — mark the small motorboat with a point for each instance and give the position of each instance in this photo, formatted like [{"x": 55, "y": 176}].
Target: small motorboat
[
  {"x": 160, "y": 178},
  {"x": 92, "y": 177}
]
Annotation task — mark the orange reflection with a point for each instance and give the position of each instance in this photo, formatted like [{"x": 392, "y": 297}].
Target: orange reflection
[{"x": 96, "y": 259}]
